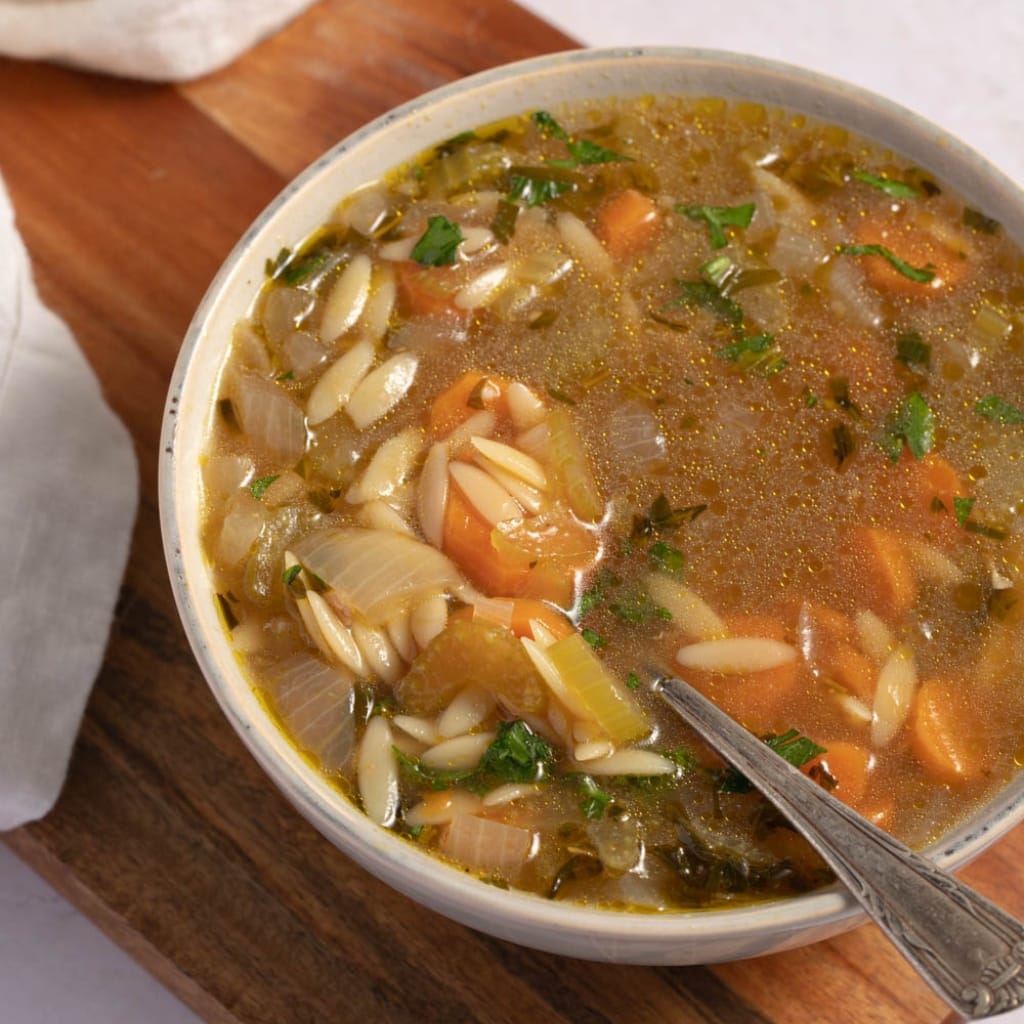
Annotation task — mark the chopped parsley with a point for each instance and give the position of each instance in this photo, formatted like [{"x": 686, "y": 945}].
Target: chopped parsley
[
  {"x": 891, "y": 187},
  {"x": 707, "y": 295},
  {"x": 593, "y": 638},
  {"x": 504, "y": 223},
  {"x": 259, "y": 487},
  {"x": 273, "y": 267},
  {"x": 985, "y": 530},
  {"x": 922, "y": 275},
  {"x": 633, "y": 681},
  {"x": 913, "y": 423},
  {"x": 962, "y": 507},
  {"x": 634, "y": 607},
  {"x": 595, "y": 799},
  {"x": 843, "y": 444},
  {"x": 581, "y": 151},
  {"x": 791, "y": 746},
  {"x": 661, "y": 516},
  {"x": 305, "y": 268},
  {"x": 290, "y": 574},
  {"x": 516, "y": 754},
  {"x": 438, "y": 245},
  {"x": 667, "y": 559},
  {"x": 597, "y": 593},
  {"x": 978, "y": 221},
  {"x": 537, "y": 187},
  {"x": 756, "y": 353},
  {"x": 718, "y": 218},
  {"x": 992, "y": 407},
  {"x": 913, "y": 350}
]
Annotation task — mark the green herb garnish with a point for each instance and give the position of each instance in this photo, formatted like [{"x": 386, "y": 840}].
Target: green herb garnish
[
  {"x": 661, "y": 516},
  {"x": 595, "y": 799},
  {"x": 667, "y": 559},
  {"x": 597, "y": 593},
  {"x": 992, "y": 407},
  {"x": 962, "y": 507},
  {"x": 635, "y": 607},
  {"x": 912, "y": 423},
  {"x": 978, "y": 221},
  {"x": 594, "y": 638},
  {"x": 791, "y": 746},
  {"x": 290, "y": 574},
  {"x": 913, "y": 350},
  {"x": 534, "y": 188},
  {"x": 504, "y": 223},
  {"x": 843, "y": 444},
  {"x": 756, "y": 353},
  {"x": 896, "y": 189},
  {"x": 922, "y": 275},
  {"x": 706, "y": 295},
  {"x": 305, "y": 268},
  {"x": 720, "y": 217},
  {"x": 984, "y": 530},
  {"x": 259, "y": 487},
  {"x": 633, "y": 681},
  {"x": 517, "y": 754},
  {"x": 439, "y": 243},
  {"x": 581, "y": 151},
  {"x": 272, "y": 267}
]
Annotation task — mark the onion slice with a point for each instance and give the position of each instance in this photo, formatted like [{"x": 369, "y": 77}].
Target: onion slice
[
  {"x": 378, "y": 572},
  {"x": 315, "y": 702}
]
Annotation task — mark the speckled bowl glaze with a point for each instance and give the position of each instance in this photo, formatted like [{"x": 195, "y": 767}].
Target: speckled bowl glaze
[{"x": 670, "y": 938}]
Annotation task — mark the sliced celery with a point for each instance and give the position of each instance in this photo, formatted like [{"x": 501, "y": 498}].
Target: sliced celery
[{"x": 608, "y": 700}]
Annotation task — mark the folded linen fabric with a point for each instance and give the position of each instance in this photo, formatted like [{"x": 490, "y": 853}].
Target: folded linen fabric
[
  {"x": 163, "y": 40},
  {"x": 67, "y": 506}
]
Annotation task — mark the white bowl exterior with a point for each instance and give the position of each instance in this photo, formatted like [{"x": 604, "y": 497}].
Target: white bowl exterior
[{"x": 677, "y": 938}]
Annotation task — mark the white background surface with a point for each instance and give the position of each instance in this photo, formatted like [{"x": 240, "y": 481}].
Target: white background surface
[{"x": 957, "y": 64}]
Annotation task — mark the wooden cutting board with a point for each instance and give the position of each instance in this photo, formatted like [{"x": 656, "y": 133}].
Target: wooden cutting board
[{"x": 168, "y": 835}]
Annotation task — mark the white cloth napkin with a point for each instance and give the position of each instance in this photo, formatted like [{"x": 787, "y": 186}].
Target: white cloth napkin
[
  {"x": 166, "y": 40},
  {"x": 68, "y": 477},
  {"x": 67, "y": 504}
]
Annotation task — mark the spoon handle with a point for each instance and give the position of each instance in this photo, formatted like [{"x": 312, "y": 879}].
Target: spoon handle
[{"x": 966, "y": 948}]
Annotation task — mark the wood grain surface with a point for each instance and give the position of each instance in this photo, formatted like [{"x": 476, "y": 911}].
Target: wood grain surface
[{"x": 168, "y": 835}]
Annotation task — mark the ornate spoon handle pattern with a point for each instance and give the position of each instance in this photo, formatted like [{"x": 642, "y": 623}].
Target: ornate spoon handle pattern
[{"x": 966, "y": 948}]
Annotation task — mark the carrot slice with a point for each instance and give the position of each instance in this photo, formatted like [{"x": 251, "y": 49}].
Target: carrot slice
[
  {"x": 883, "y": 571},
  {"x": 472, "y": 392},
  {"x": 850, "y": 765},
  {"x": 627, "y": 223},
  {"x": 917, "y": 246},
  {"x": 934, "y": 483},
  {"x": 757, "y": 699},
  {"x": 946, "y": 735},
  {"x": 537, "y": 557},
  {"x": 517, "y": 614},
  {"x": 851, "y": 670},
  {"x": 425, "y": 291}
]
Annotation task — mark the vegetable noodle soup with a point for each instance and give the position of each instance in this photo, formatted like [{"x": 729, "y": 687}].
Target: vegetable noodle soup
[{"x": 669, "y": 384}]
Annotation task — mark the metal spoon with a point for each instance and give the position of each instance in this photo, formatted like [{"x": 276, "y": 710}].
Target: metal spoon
[{"x": 966, "y": 948}]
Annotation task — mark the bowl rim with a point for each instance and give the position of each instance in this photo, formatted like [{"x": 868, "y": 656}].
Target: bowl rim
[{"x": 610, "y": 934}]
